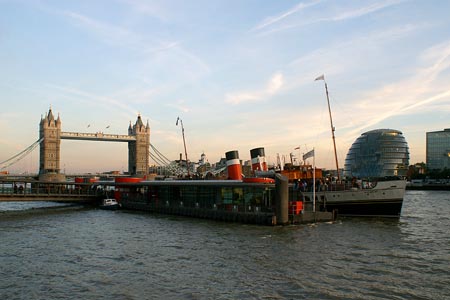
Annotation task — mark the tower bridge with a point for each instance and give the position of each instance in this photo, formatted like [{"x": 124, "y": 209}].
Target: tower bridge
[{"x": 50, "y": 136}]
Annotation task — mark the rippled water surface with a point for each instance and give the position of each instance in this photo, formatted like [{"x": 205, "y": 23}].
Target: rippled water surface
[{"x": 85, "y": 253}]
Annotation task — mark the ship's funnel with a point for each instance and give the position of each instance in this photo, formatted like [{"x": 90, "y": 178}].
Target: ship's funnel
[
  {"x": 233, "y": 165},
  {"x": 258, "y": 159}
]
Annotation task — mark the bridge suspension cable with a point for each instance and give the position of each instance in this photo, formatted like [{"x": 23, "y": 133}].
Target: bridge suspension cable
[
  {"x": 173, "y": 167},
  {"x": 163, "y": 161},
  {"x": 19, "y": 156},
  {"x": 157, "y": 160}
]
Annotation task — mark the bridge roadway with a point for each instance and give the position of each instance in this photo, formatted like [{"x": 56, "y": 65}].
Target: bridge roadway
[{"x": 98, "y": 136}]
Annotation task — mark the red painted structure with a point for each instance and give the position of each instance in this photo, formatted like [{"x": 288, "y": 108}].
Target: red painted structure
[
  {"x": 122, "y": 190},
  {"x": 258, "y": 159},
  {"x": 233, "y": 165}
]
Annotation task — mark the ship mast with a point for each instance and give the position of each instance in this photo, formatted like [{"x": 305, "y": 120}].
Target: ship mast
[{"x": 322, "y": 77}]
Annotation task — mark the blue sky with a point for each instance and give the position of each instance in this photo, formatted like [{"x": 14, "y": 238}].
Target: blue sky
[{"x": 240, "y": 74}]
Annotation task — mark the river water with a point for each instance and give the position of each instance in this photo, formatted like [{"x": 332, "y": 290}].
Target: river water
[{"x": 84, "y": 253}]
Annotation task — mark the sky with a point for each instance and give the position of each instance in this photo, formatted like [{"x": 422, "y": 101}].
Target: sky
[{"x": 239, "y": 74}]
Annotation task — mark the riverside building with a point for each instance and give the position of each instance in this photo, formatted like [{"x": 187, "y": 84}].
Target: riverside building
[
  {"x": 438, "y": 149},
  {"x": 378, "y": 153}
]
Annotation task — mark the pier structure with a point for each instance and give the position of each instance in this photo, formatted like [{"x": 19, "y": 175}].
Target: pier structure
[
  {"x": 222, "y": 200},
  {"x": 28, "y": 189},
  {"x": 50, "y": 136}
]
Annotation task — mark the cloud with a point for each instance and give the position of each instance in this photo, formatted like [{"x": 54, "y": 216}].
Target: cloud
[
  {"x": 146, "y": 8},
  {"x": 412, "y": 95},
  {"x": 362, "y": 11},
  {"x": 271, "y": 24},
  {"x": 437, "y": 58},
  {"x": 243, "y": 97},
  {"x": 423, "y": 102},
  {"x": 191, "y": 64},
  {"x": 275, "y": 19},
  {"x": 98, "y": 100},
  {"x": 179, "y": 105},
  {"x": 347, "y": 56},
  {"x": 138, "y": 94},
  {"x": 156, "y": 54},
  {"x": 119, "y": 36},
  {"x": 164, "y": 47},
  {"x": 109, "y": 33},
  {"x": 275, "y": 83},
  {"x": 421, "y": 91}
]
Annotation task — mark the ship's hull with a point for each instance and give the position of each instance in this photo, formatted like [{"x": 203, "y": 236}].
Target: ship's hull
[
  {"x": 383, "y": 200},
  {"x": 388, "y": 208}
]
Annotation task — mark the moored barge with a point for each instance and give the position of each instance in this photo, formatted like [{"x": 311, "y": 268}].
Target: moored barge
[{"x": 223, "y": 200}]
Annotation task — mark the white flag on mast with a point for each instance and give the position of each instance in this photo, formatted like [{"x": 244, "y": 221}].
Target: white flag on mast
[
  {"x": 308, "y": 154},
  {"x": 321, "y": 77}
]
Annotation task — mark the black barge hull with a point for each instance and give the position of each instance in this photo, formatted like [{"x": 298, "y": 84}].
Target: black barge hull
[{"x": 385, "y": 209}]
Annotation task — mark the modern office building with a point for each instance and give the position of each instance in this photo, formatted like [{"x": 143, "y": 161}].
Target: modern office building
[
  {"x": 378, "y": 153},
  {"x": 438, "y": 149}
]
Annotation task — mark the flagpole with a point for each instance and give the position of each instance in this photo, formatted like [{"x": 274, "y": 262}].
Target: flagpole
[
  {"x": 298, "y": 148},
  {"x": 322, "y": 77}
]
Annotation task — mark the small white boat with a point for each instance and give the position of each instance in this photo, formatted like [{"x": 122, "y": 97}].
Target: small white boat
[{"x": 110, "y": 203}]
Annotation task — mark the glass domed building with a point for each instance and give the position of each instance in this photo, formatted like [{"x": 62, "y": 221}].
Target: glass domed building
[{"x": 378, "y": 153}]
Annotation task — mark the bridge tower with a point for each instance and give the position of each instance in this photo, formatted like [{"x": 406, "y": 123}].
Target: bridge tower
[
  {"x": 50, "y": 136},
  {"x": 138, "y": 150},
  {"x": 50, "y": 133}
]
